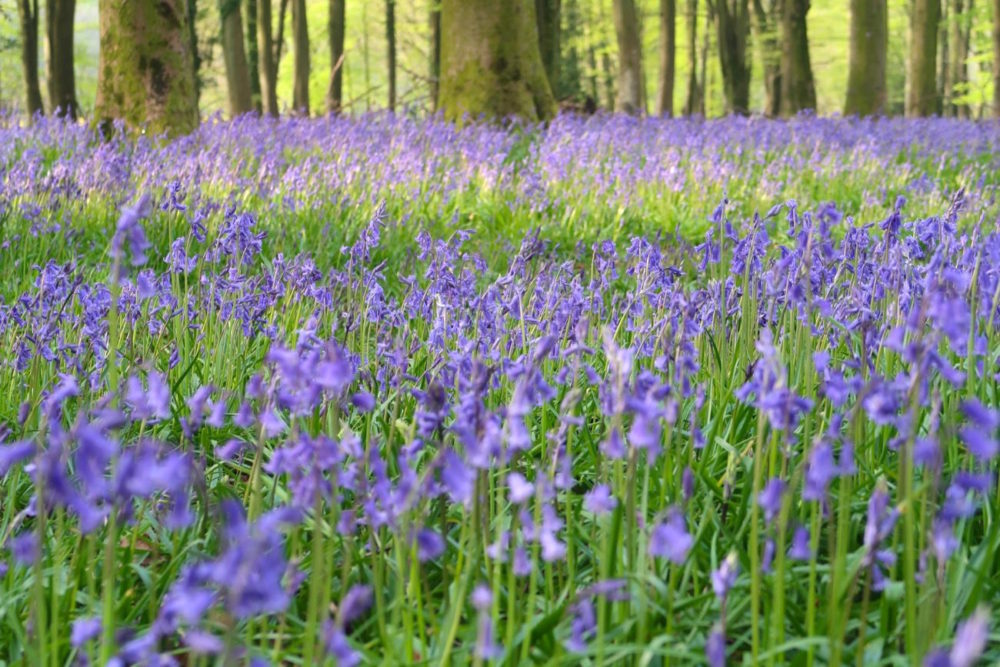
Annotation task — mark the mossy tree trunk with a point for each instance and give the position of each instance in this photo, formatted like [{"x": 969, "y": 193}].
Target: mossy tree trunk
[
  {"x": 28, "y": 13},
  {"x": 668, "y": 49},
  {"x": 547, "y": 13},
  {"x": 237, "y": 72},
  {"x": 490, "y": 62},
  {"x": 300, "y": 74},
  {"x": 866, "y": 72},
  {"x": 922, "y": 90},
  {"x": 268, "y": 66},
  {"x": 62, "y": 80},
  {"x": 732, "y": 22},
  {"x": 253, "y": 58},
  {"x": 631, "y": 92},
  {"x": 336, "y": 24},
  {"x": 797, "y": 89},
  {"x": 145, "y": 75},
  {"x": 765, "y": 33}
]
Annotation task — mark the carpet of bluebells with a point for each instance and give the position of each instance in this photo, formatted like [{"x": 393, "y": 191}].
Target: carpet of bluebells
[{"x": 610, "y": 391}]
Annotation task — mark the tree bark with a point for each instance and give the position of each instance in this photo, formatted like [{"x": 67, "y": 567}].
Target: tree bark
[
  {"x": 435, "y": 75},
  {"x": 300, "y": 75},
  {"x": 668, "y": 48},
  {"x": 237, "y": 72},
  {"x": 797, "y": 89},
  {"x": 765, "y": 34},
  {"x": 28, "y": 12},
  {"x": 733, "y": 26},
  {"x": 490, "y": 62},
  {"x": 265, "y": 52},
  {"x": 631, "y": 98},
  {"x": 996, "y": 58},
  {"x": 957, "y": 78},
  {"x": 866, "y": 75},
  {"x": 62, "y": 81},
  {"x": 253, "y": 59},
  {"x": 191, "y": 7},
  {"x": 335, "y": 94},
  {"x": 693, "y": 104},
  {"x": 145, "y": 76},
  {"x": 922, "y": 93},
  {"x": 390, "y": 39},
  {"x": 547, "y": 14}
]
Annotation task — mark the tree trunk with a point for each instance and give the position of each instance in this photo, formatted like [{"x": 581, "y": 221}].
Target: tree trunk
[
  {"x": 62, "y": 81},
  {"x": 435, "y": 78},
  {"x": 28, "y": 10},
  {"x": 335, "y": 94},
  {"x": 866, "y": 76},
  {"x": 765, "y": 34},
  {"x": 237, "y": 73},
  {"x": 630, "y": 85},
  {"x": 145, "y": 76},
  {"x": 733, "y": 26},
  {"x": 390, "y": 40},
  {"x": 797, "y": 90},
  {"x": 921, "y": 97},
  {"x": 265, "y": 52},
  {"x": 300, "y": 75},
  {"x": 668, "y": 47},
  {"x": 490, "y": 62},
  {"x": 961, "y": 24},
  {"x": 253, "y": 60},
  {"x": 693, "y": 104},
  {"x": 996, "y": 58},
  {"x": 547, "y": 14},
  {"x": 191, "y": 7}
]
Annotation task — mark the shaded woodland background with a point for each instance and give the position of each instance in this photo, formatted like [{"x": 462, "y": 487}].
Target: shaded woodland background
[{"x": 935, "y": 56}]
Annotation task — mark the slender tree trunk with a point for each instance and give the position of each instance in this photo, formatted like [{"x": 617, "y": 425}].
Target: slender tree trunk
[
  {"x": 630, "y": 84},
  {"x": 996, "y": 58},
  {"x": 797, "y": 90},
  {"x": 237, "y": 72},
  {"x": 435, "y": 77},
  {"x": 490, "y": 62},
  {"x": 337, "y": 23},
  {"x": 588, "y": 37},
  {"x": 300, "y": 75},
  {"x": 253, "y": 60},
  {"x": 265, "y": 52},
  {"x": 390, "y": 39},
  {"x": 668, "y": 49},
  {"x": 693, "y": 104},
  {"x": 145, "y": 75},
  {"x": 765, "y": 34},
  {"x": 706, "y": 44},
  {"x": 958, "y": 58},
  {"x": 279, "y": 39},
  {"x": 28, "y": 10},
  {"x": 191, "y": 7},
  {"x": 943, "y": 77},
  {"x": 547, "y": 14},
  {"x": 62, "y": 81},
  {"x": 866, "y": 75},
  {"x": 922, "y": 98},
  {"x": 606, "y": 65},
  {"x": 733, "y": 26}
]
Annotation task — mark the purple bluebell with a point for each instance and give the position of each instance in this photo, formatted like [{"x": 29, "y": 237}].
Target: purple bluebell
[{"x": 670, "y": 538}]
